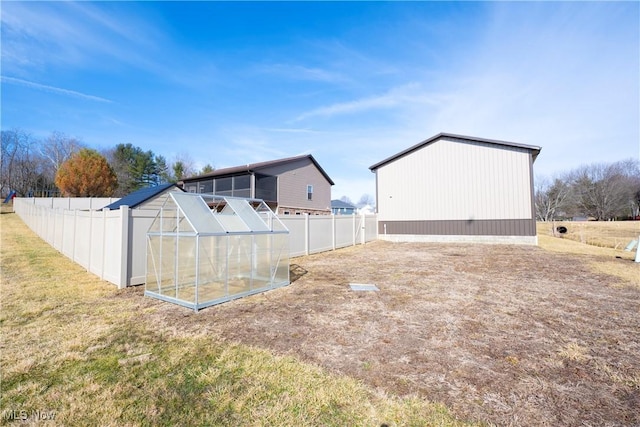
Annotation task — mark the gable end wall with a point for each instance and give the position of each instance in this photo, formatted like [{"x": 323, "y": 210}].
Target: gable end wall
[
  {"x": 457, "y": 187},
  {"x": 293, "y": 179}
]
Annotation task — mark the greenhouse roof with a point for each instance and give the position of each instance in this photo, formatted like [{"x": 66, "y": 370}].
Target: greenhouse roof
[{"x": 191, "y": 213}]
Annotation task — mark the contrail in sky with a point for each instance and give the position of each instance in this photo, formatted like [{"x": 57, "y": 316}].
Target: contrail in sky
[{"x": 53, "y": 89}]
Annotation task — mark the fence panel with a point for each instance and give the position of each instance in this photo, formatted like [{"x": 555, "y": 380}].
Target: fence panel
[
  {"x": 344, "y": 230},
  {"x": 371, "y": 228},
  {"x": 97, "y": 250},
  {"x": 113, "y": 247},
  {"x": 58, "y": 228},
  {"x": 139, "y": 223},
  {"x": 297, "y": 234},
  {"x": 70, "y": 203},
  {"x": 313, "y": 234},
  {"x": 82, "y": 253},
  {"x": 68, "y": 233},
  {"x": 320, "y": 233}
]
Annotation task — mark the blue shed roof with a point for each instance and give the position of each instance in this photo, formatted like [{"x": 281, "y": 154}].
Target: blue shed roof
[{"x": 137, "y": 197}]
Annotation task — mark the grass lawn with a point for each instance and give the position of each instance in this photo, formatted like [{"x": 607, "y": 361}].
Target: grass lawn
[
  {"x": 79, "y": 351},
  {"x": 496, "y": 334}
]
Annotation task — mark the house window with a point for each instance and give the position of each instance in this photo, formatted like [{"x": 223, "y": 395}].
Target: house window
[{"x": 309, "y": 192}]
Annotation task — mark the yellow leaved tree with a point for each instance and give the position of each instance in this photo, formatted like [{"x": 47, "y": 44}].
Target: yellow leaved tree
[{"x": 86, "y": 174}]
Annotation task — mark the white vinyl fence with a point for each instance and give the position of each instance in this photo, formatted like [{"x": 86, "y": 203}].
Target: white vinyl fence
[
  {"x": 313, "y": 234},
  {"x": 112, "y": 244}
]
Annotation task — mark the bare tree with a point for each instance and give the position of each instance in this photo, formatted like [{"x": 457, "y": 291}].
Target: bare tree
[
  {"x": 346, "y": 199},
  {"x": 552, "y": 198},
  {"x": 57, "y": 149},
  {"x": 21, "y": 163},
  {"x": 606, "y": 191},
  {"x": 366, "y": 200}
]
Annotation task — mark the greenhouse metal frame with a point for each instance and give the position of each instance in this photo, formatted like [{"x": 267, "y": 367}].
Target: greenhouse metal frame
[{"x": 204, "y": 250}]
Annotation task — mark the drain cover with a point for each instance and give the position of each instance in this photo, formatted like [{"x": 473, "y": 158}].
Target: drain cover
[{"x": 363, "y": 287}]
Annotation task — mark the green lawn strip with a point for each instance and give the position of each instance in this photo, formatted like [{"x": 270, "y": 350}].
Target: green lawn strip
[{"x": 196, "y": 382}]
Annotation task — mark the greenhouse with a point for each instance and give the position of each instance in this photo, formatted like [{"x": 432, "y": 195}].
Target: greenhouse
[{"x": 204, "y": 250}]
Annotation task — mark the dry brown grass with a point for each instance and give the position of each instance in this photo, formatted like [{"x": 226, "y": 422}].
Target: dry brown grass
[
  {"x": 606, "y": 234},
  {"x": 603, "y": 260},
  {"x": 506, "y": 335},
  {"x": 75, "y": 348},
  {"x": 511, "y": 335}
]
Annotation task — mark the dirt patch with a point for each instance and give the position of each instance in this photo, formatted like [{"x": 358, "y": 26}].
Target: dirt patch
[{"x": 510, "y": 335}]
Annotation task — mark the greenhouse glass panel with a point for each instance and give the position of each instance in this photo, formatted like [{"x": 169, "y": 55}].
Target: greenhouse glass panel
[
  {"x": 197, "y": 212},
  {"x": 231, "y": 221},
  {"x": 197, "y": 257},
  {"x": 248, "y": 215},
  {"x": 186, "y": 268}
]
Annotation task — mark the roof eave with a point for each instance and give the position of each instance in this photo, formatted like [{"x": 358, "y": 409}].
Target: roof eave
[
  {"x": 535, "y": 150},
  {"x": 258, "y": 166}
]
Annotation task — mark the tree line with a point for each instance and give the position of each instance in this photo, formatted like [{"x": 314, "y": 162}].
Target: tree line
[
  {"x": 600, "y": 191},
  {"x": 64, "y": 165}
]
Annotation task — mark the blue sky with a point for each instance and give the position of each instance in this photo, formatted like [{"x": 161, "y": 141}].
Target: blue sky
[{"x": 229, "y": 83}]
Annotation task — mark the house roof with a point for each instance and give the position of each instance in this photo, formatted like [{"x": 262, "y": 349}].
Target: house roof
[
  {"x": 534, "y": 149},
  {"x": 253, "y": 167},
  {"x": 138, "y": 197},
  {"x": 339, "y": 204}
]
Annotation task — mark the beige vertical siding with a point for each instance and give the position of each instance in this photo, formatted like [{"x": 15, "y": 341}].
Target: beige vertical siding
[
  {"x": 456, "y": 180},
  {"x": 293, "y": 179}
]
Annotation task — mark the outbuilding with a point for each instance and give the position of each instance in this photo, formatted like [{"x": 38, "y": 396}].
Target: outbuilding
[
  {"x": 455, "y": 188},
  {"x": 204, "y": 250}
]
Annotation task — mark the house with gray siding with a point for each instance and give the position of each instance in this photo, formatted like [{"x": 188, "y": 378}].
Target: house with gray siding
[
  {"x": 455, "y": 188},
  {"x": 290, "y": 186}
]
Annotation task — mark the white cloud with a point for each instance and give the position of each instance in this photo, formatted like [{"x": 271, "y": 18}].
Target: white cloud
[
  {"x": 401, "y": 97},
  {"x": 53, "y": 89},
  {"x": 291, "y": 130},
  {"x": 77, "y": 34},
  {"x": 572, "y": 89},
  {"x": 300, "y": 72}
]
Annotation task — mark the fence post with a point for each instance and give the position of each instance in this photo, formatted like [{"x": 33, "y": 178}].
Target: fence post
[
  {"x": 75, "y": 224},
  {"x": 353, "y": 228},
  {"x": 62, "y": 233},
  {"x": 124, "y": 246},
  {"x": 363, "y": 229},
  {"x": 306, "y": 233},
  {"x": 90, "y": 240},
  {"x": 104, "y": 251},
  {"x": 333, "y": 231}
]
